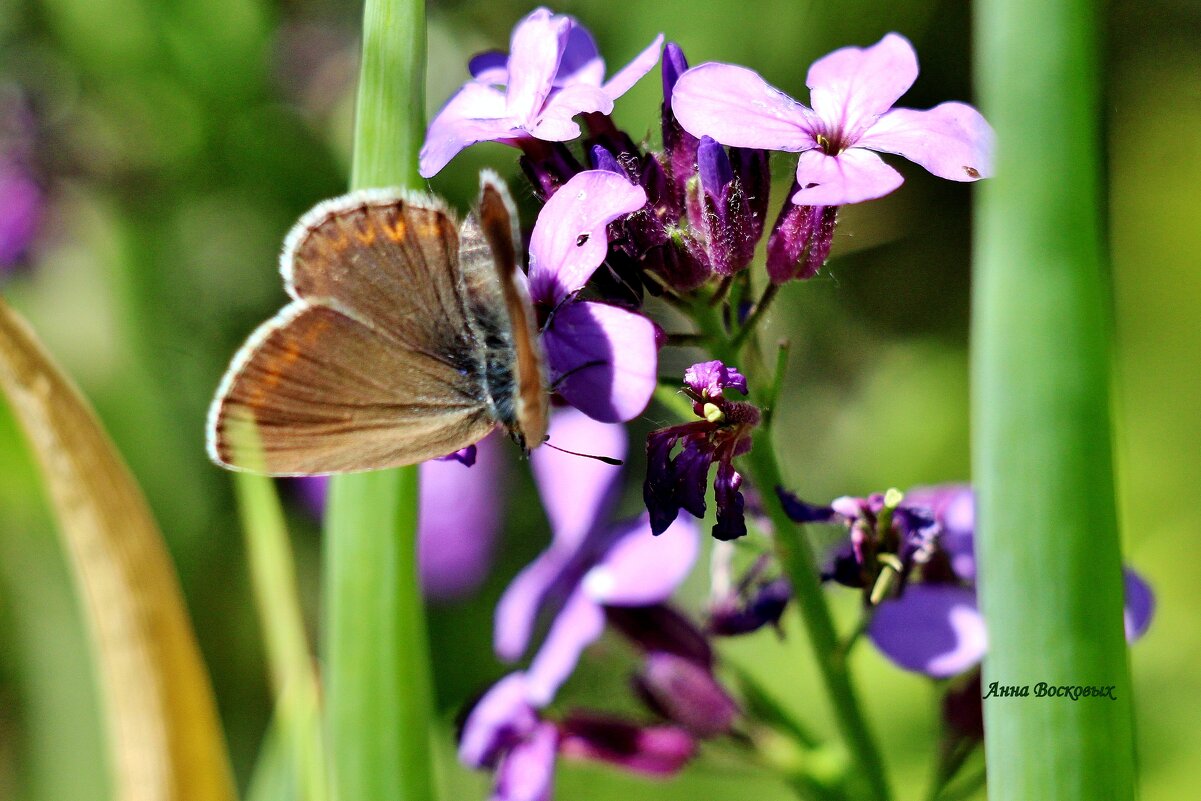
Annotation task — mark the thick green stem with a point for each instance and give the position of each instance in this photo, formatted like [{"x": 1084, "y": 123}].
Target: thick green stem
[
  {"x": 376, "y": 652},
  {"x": 1047, "y": 539},
  {"x": 796, "y": 557}
]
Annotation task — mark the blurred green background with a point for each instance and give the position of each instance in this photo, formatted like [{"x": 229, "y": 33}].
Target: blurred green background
[{"x": 178, "y": 141}]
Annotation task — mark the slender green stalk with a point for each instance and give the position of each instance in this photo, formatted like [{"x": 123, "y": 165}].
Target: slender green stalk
[
  {"x": 376, "y": 652},
  {"x": 793, "y": 551},
  {"x": 1050, "y": 572},
  {"x": 297, "y": 724},
  {"x": 796, "y": 557}
]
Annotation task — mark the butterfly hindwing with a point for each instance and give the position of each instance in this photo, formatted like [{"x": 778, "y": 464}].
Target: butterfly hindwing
[{"x": 374, "y": 364}]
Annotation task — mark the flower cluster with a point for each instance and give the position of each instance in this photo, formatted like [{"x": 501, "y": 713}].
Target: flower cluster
[
  {"x": 596, "y": 572},
  {"x": 621, "y": 225},
  {"x": 678, "y": 480},
  {"x": 914, "y": 557}
]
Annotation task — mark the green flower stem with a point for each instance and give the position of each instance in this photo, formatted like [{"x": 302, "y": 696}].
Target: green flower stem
[
  {"x": 796, "y": 557},
  {"x": 1047, "y": 538},
  {"x": 376, "y": 652},
  {"x": 297, "y": 721},
  {"x": 793, "y": 550}
]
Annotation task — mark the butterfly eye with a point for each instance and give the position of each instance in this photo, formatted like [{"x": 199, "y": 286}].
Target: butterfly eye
[{"x": 581, "y": 240}]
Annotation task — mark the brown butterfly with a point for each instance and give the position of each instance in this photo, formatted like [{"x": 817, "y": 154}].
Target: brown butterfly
[{"x": 408, "y": 337}]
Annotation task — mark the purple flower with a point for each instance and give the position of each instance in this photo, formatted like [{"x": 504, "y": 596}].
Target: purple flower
[
  {"x": 653, "y": 750},
  {"x": 20, "y": 212},
  {"x": 678, "y": 480},
  {"x": 504, "y": 732},
  {"x": 757, "y": 600},
  {"x": 591, "y": 563},
  {"x": 603, "y": 359},
  {"x": 458, "y": 518},
  {"x": 852, "y": 91},
  {"x": 552, "y": 73},
  {"x": 21, "y": 199},
  {"x": 929, "y": 621},
  {"x": 677, "y": 679}
]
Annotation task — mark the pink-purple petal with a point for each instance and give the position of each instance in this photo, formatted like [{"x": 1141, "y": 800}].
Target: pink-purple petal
[
  {"x": 475, "y": 114},
  {"x": 850, "y": 87},
  {"x": 951, "y": 140},
  {"x": 578, "y": 625},
  {"x": 735, "y": 106},
  {"x": 603, "y": 359},
  {"x": 500, "y": 716},
  {"x": 555, "y": 124},
  {"x": 581, "y": 61},
  {"x": 934, "y": 629},
  {"x": 459, "y": 519},
  {"x": 517, "y": 610},
  {"x": 852, "y": 176},
  {"x": 643, "y": 569},
  {"x": 569, "y": 240},
  {"x": 534, "y": 52},
  {"x": 576, "y": 492},
  {"x": 624, "y": 79},
  {"x": 527, "y": 771}
]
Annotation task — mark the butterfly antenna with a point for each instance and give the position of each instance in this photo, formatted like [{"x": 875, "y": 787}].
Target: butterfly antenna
[{"x": 605, "y": 459}]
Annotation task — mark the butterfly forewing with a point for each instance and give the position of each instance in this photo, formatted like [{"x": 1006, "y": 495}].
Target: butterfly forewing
[
  {"x": 498, "y": 224},
  {"x": 375, "y": 364}
]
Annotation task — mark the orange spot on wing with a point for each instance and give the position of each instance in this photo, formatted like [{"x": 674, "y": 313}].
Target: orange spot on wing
[
  {"x": 397, "y": 230},
  {"x": 365, "y": 236}
]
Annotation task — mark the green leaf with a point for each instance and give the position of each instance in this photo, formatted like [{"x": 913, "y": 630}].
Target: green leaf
[
  {"x": 164, "y": 736},
  {"x": 1050, "y": 566}
]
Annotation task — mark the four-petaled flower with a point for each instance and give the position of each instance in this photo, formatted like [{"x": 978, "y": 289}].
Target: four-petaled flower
[
  {"x": 553, "y": 72},
  {"x": 675, "y": 482},
  {"x": 852, "y": 91}
]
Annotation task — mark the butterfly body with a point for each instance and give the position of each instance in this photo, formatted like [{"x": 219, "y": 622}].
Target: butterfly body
[{"x": 408, "y": 338}]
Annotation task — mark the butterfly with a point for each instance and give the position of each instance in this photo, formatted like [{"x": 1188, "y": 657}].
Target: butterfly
[{"x": 408, "y": 337}]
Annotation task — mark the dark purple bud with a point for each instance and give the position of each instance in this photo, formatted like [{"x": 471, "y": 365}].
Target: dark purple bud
[
  {"x": 687, "y": 694},
  {"x": 801, "y": 512},
  {"x": 800, "y": 241},
  {"x": 604, "y": 160},
  {"x": 752, "y": 169},
  {"x": 672, "y": 66},
  {"x": 720, "y": 215},
  {"x": 714, "y": 167},
  {"x": 765, "y": 607},
  {"x": 679, "y": 146},
  {"x": 654, "y": 750},
  {"x": 679, "y": 265},
  {"x": 661, "y": 629}
]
